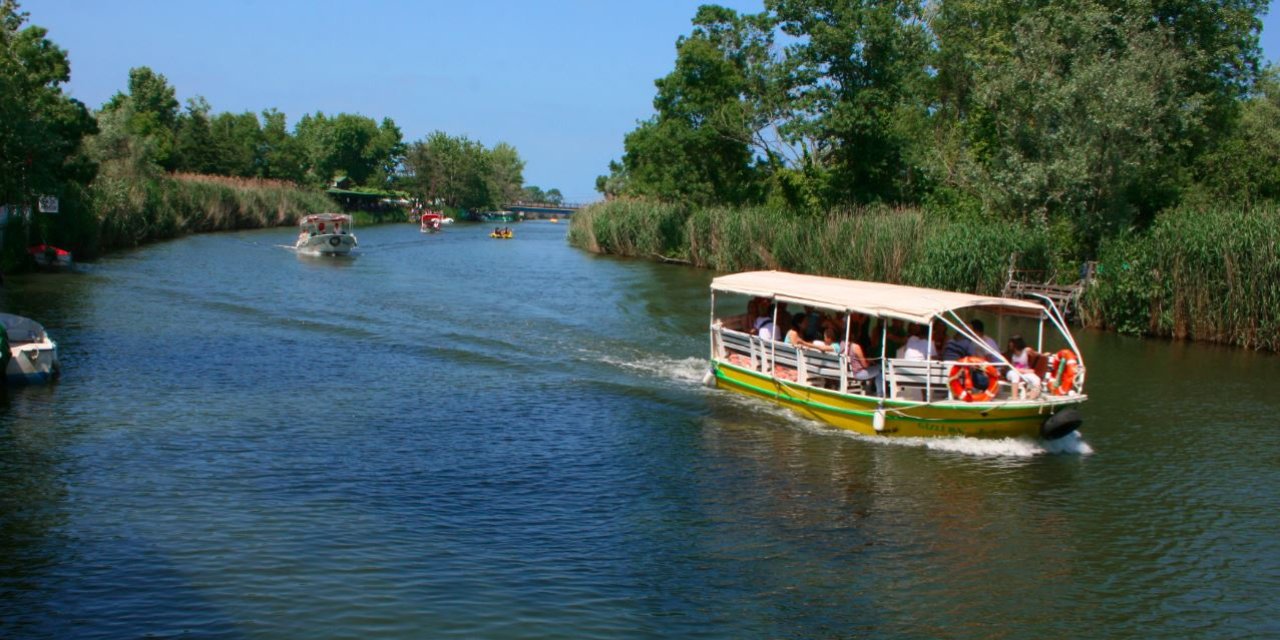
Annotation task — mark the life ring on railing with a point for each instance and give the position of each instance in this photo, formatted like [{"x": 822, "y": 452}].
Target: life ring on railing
[
  {"x": 961, "y": 380},
  {"x": 1060, "y": 378},
  {"x": 335, "y": 241}
]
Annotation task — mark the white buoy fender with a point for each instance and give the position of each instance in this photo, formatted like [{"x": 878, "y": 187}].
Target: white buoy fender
[
  {"x": 877, "y": 421},
  {"x": 710, "y": 378}
]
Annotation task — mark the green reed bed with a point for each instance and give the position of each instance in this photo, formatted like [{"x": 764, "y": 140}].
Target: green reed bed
[
  {"x": 884, "y": 245},
  {"x": 1199, "y": 273},
  {"x": 131, "y": 212}
]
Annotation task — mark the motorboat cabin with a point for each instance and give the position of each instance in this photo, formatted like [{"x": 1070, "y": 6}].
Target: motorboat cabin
[
  {"x": 33, "y": 356},
  {"x": 325, "y": 234}
]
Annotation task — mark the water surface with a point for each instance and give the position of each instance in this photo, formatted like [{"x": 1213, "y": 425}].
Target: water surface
[{"x": 452, "y": 436}]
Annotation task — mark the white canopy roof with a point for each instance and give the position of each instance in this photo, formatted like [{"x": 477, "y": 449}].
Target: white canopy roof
[{"x": 913, "y": 304}]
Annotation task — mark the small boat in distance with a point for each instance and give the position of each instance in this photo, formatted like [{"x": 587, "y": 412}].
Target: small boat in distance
[
  {"x": 502, "y": 234},
  {"x": 968, "y": 387},
  {"x": 325, "y": 234},
  {"x": 47, "y": 256},
  {"x": 33, "y": 355},
  {"x": 430, "y": 222}
]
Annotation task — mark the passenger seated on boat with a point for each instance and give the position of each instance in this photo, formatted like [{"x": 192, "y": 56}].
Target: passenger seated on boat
[
  {"x": 813, "y": 324},
  {"x": 918, "y": 346},
  {"x": 763, "y": 326},
  {"x": 957, "y": 347},
  {"x": 1026, "y": 384},
  {"x": 796, "y": 335},
  {"x": 894, "y": 336},
  {"x": 784, "y": 321},
  {"x": 979, "y": 328},
  {"x": 862, "y": 370}
]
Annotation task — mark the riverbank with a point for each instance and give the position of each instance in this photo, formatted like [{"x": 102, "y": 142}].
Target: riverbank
[
  {"x": 124, "y": 212},
  {"x": 130, "y": 213},
  {"x": 1198, "y": 273}
]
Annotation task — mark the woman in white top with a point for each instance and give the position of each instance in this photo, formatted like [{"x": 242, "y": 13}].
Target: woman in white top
[{"x": 1022, "y": 376}]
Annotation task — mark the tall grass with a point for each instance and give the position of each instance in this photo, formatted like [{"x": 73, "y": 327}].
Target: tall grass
[
  {"x": 1203, "y": 274},
  {"x": 130, "y": 212},
  {"x": 885, "y": 245}
]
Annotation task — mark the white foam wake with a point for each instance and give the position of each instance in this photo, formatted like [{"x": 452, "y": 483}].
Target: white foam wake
[{"x": 679, "y": 370}]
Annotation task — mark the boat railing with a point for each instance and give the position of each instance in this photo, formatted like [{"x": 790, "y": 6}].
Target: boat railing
[
  {"x": 909, "y": 380},
  {"x": 783, "y": 361}
]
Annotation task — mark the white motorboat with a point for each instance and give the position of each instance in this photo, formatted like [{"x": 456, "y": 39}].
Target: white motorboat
[
  {"x": 33, "y": 355},
  {"x": 325, "y": 234}
]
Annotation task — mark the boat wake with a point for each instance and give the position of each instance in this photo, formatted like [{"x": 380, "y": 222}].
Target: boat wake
[{"x": 687, "y": 370}]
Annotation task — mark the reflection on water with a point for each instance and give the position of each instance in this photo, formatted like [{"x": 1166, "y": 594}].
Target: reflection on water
[{"x": 450, "y": 436}]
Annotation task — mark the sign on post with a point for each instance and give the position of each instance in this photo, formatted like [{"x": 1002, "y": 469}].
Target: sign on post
[{"x": 48, "y": 204}]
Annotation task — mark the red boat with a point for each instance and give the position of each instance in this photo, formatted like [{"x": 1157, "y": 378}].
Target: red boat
[
  {"x": 48, "y": 256},
  {"x": 430, "y": 222}
]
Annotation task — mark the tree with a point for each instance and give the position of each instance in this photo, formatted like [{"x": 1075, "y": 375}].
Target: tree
[
  {"x": 238, "y": 144},
  {"x": 711, "y": 114},
  {"x": 459, "y": 172},
  {"x": 41, "y": 128},
  {"x": 153, "y": 109},
  {"x": 194, "y": 140},
  {"x": 350, "y": 145},
  {"x": 282, "y": 155},
  {"x": 858, "y": 71},
  {"x": 506, "y": 173}
]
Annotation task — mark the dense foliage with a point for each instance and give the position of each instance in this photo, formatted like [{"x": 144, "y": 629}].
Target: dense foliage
[
  {"x": 142, "y": 168},
  {"x": 1097, "y": 112}
]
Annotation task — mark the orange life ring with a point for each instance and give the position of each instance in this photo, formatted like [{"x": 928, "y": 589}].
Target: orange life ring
[
  {"x": 1061, "y": 375},
  {"x": 961, "y": 380}
]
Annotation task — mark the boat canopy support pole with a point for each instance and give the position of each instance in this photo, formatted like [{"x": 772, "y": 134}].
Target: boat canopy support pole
[
  {"x": 962, "y": 328},
  {"x": 1055, "y": 316}
]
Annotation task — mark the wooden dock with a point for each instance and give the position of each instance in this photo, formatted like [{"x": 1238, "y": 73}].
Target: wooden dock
[{"x": 1031, "y": 283}]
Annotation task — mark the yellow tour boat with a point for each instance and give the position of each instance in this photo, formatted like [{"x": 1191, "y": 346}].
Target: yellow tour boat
[{"x": 970, "y": 385}]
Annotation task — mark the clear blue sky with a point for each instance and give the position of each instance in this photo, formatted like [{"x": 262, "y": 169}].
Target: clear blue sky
[{"x": 562, "y": 80}]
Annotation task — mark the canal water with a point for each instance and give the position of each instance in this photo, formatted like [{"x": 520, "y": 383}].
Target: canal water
[{"x": 454, "y": 436}]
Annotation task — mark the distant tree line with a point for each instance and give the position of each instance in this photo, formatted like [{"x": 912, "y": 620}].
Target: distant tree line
[
  {"x": 1095, "y": 114},
  {"x": 52, "y": 144}
]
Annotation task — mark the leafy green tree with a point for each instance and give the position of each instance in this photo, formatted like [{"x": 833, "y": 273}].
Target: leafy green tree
[
  {"x": 462, "y": 173},
  {"x": 858, "y": 70},
  {"x": 153, "y": 108},
  {"x": 554, "y": 196},
  {"x": 1244, "y": 167},
  {"x": 711, "y": 111},
  {"x": 505, "y": 173},
  {"x": 41, "y": 128},
  {"x": 238, "y": 144},
  {"x": 533, "y": 193},
  {"x": 350, "y": 145},
  {"x": 282, "y": 155},
  {"x": 194, "y": 139}
]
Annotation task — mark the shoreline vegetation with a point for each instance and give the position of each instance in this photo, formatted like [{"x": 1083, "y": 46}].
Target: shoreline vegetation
[
  {"x": 144, "y": 167},
  {"x": 927, "y": 143},
  {"x": 1198, "y": 273}
]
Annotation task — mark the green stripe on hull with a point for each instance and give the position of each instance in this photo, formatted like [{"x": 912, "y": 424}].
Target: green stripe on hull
[{"x": 1010, "y": 420}]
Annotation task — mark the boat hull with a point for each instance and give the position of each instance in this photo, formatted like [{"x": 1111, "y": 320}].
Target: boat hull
[
  {"x": 32, "y": 363},
  {"x": 901, "y": 419},
  {"x": 326, "y": 244}
]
